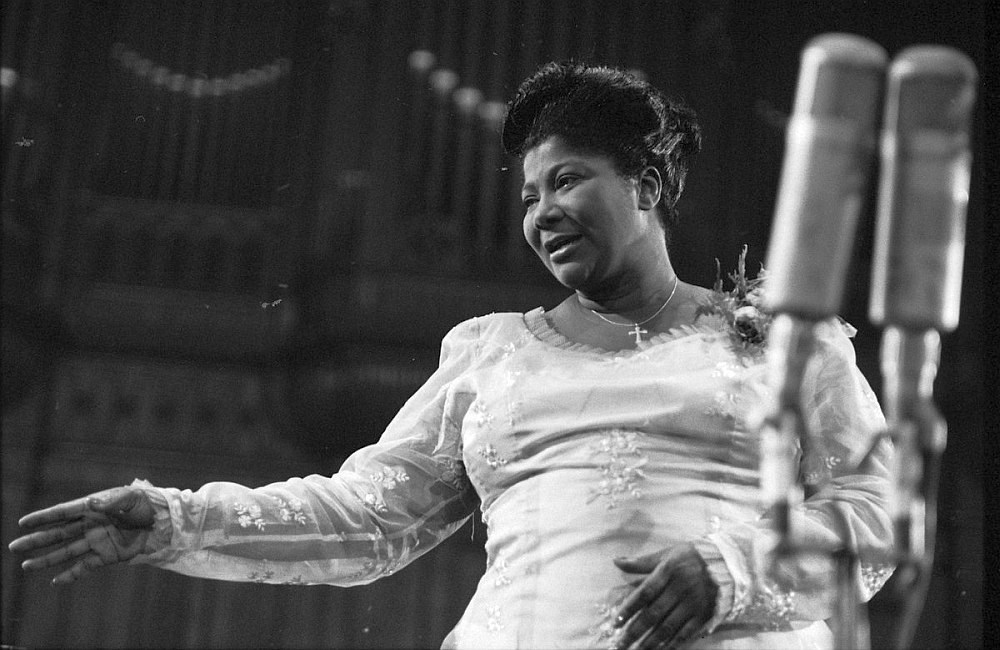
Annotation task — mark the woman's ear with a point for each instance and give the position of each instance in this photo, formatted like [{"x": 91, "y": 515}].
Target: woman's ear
[{"x": 650, "y": 187}]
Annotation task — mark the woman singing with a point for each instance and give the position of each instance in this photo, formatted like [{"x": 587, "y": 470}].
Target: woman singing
[{"x": 610, "y": 441}]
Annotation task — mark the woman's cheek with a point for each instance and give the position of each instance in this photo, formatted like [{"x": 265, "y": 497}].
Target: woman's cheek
[{"x": 531, "y": 235}]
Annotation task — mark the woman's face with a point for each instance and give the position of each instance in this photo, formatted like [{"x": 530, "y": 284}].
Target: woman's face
[{"x": 592, "y": 228}]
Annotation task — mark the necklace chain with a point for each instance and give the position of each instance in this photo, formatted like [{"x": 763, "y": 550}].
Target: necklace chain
[{"x": 635, "y": 325}]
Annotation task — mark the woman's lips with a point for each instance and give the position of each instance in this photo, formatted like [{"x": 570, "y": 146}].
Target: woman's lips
[{"x": 564, "y": 248}]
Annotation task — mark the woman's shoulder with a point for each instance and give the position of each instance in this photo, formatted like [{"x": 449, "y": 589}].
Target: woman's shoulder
[
  {"x": 834, "y": 336},
  {"x": 494, "y": 326}
]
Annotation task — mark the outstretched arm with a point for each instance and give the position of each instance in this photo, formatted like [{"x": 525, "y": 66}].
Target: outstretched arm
[{"x": 390, "y": 502}]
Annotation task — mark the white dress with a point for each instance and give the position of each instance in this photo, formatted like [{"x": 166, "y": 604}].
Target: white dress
[{"x": 576, "y": 455}]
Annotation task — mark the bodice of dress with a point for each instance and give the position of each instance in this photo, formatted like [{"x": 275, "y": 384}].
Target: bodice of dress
[{"x": 576, "y": 456}]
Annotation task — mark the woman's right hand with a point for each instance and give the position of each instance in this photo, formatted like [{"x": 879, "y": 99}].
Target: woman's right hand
[{"x": 103, "y": 528}]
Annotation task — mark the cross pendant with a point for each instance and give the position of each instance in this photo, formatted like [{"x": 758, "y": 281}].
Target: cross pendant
[{"x": 638, "y": 332}]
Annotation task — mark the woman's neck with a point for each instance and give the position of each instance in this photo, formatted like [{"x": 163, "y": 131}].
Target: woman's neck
[
  {"x": 633, "y": 298},
  {"x": 622, "y": 330}
]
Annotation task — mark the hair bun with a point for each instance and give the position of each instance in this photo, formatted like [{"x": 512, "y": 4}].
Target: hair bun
[
  {"x": 679, "y": 135},
  {"x": 682, "y": 121}
]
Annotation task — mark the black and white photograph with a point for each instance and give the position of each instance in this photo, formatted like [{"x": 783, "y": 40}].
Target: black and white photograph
[{"x": 494, "y": 324}]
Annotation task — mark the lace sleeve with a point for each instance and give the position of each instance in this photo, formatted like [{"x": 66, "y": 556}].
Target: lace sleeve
[
  {"x": 847, "y": 481},
  {"x": 390, "y": 502}
]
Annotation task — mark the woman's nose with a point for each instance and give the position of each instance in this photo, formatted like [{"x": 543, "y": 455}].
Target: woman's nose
[{"x": 547, "y": 213}]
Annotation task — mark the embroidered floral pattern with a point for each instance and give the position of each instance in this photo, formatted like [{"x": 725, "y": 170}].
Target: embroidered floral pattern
[
  {"x": 500, "y": 569},
  {"x": 492, "y": 456},
  {"x": 511, "y": 379},
  {"x": 494, "y": 618},
  {"x": 363, "y": 572},
  {"x": 291, "y": 511},
  {"x": 507, "y": 350},
  {"x": 621, "y": 473},
  {"x": 453, "y": 472},
  {"x": 723, "y": 406},
  {"x": 375, "y": 502},
  {"x": 874, "y": 577},
  {"x": 390, "y": 477},
  {"x": 728, "y": 402},
  {"x": 819, "y": 470},
  {"x": 483, "y": 417},
  {"x": 604, "y": 630},
  {"x": 726, "y": 370},
  {"x": 249, "y": 515},
  {"x": 260, "y": 578},
  {"x": 391, "y": 567},
  {"x": 771, "y": 607},
  {"x": 741, "y": 599}
]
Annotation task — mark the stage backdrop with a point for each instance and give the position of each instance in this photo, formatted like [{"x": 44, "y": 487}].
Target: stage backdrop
[{"x": 234, "y": 233}]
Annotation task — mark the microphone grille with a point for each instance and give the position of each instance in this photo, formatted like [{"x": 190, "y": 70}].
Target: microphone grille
[
  {"x": 933, "y": 88},
  {"x": 841, "y": 77}
]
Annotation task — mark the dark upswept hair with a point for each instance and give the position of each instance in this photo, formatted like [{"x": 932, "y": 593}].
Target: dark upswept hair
[{"x": 606, "y": 111}]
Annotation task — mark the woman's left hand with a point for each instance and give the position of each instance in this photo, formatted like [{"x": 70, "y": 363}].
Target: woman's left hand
[{"x": 674, "y": 600}]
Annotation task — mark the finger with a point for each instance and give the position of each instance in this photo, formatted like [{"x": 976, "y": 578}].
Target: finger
[
  {"x": 126, "y": 506},
  {"x": 647, "y": 592},
  {"x": 685, "y": 634},
  {"x": 664, "y": 633},
  {"x": 641, "y": 564},
  {"x": 61, "y": 512},
  {"x": 648, "y": 618},
  {"x": 118, "y": 499},
  {"x": 45, "y": 538},
  {"x": 79, "y": 570},
  {"x": 63, "y": 554}
]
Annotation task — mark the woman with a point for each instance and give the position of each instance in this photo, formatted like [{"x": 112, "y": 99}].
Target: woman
[{"x": 607, "y": 441}]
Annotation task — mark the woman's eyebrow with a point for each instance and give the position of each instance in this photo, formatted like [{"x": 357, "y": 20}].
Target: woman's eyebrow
[{"x": 560, "y": 164}]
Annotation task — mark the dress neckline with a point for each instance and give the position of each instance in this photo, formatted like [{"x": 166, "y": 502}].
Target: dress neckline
[{"x": 537, "y": 323}]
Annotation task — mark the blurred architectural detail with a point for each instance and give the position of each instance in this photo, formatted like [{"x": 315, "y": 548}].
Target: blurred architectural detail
[{"x": 198, "y": 86}]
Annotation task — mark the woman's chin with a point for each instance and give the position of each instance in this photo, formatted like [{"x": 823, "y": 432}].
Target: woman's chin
[{"x": 571, "y": 275}]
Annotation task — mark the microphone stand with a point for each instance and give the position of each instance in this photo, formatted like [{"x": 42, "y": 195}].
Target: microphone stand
[
  {"x": 784, "y": 439},
  {"x": 919, "y": 433},
  {"x": 916, "y": 289}
]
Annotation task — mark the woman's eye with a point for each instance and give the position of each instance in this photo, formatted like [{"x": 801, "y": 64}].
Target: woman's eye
[
  {"x": 565, "y": 180},
  {"x": 529, "y": 201}
]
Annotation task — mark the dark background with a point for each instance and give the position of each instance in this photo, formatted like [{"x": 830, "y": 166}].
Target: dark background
[{"x": 234, "y": 233}]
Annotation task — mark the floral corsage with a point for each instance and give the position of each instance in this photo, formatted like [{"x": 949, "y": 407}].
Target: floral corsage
[{"x": 741, "y": 307}]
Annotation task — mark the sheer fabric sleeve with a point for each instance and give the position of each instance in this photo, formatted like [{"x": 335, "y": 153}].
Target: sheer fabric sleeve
[
  {"x": 847, "y": 479},
  {"x": 389, "y": 503}
]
